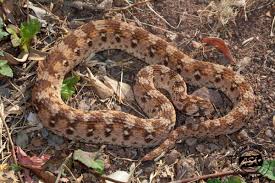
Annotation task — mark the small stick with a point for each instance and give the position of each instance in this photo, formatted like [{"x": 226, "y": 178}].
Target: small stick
[
  {"x": 129, "y": 6},
  {"x": 163, "y": 19},
  {"x": 3, "y": 121},
  {"x": 272, "y": 27},
  {"x": 2, "y": 118},
  {"x": 62, "y": 167},
  {"x": 215, "y": 175}
]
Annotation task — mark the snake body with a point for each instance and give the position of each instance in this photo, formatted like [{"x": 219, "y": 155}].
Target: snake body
[{"x": 166, "y": 64}]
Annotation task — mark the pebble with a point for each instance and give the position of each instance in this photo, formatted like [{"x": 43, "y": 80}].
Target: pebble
[
  {"x": 191, "y": 141},
  {"x": 172, "y": 157},
  {"x": 213, "y": 147},
  {"x": 269, "y": 133},
  {"x": 22, "y": 140},
  {"x": 243, "y": 135},
  {"x": 201, "y": 148}
]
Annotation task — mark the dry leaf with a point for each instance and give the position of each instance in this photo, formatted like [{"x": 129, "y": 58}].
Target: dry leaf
[
  {"x": 122, "y": 90},
  {"x": 121, "y": 176},
  {"x": 221, "y": 46},
  {"x": 33, "y": 162}
]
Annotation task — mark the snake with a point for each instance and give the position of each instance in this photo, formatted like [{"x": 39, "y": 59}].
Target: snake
[{"x": 167, "y": 68}]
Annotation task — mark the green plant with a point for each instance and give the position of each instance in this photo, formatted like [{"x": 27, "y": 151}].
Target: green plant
[
  {"x": 2, "y": 32},
  {"x": 5, "y": 69},
  {"x": 68, "y": 89},
  {"x": 27, "y": 31}
]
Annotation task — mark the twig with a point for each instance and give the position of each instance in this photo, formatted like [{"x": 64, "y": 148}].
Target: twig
[
  {"x": 3, "y": 121},
  {"x": 69, "y": 170},
  {"x": 2, "y": 118},
  {"x": 163, "y": 19},
  {"x": 129, "y": 6},
  {"x": 215, "y": 175},
  {"x": 272, "y": 27},
  {"x": 62, "y": 167},
  {"x": 155, "y": 27}
]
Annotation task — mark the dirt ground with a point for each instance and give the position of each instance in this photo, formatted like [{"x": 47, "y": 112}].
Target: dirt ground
[{"x": 184, "y": 23}]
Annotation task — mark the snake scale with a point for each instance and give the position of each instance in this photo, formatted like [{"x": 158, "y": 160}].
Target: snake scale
[{"x": 167, "y": 67}]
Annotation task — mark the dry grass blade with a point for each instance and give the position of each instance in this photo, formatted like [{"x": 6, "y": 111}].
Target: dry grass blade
[
  {"x": 10, "y": 141},
  {"x": 130, "y": 6}
]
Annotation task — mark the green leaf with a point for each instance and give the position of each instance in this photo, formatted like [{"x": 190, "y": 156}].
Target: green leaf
[
  {"x": 5, "y": 69},
  {"x": 217, "y": 180},
  {"x": 268, "y": 169},
  {"x": 2, "y": 53},
  {"x": 68, "y": 89},
  {"x": 234, "y": 179},
  {"x": 2, "y": 32},
  {"x": 15, "y": 40},
  {"x": 3, "y": 62},
  {"x": 27, "y": 31},
  {"x": 15, "y": 167},
  {"x": 88, "y": 159},
  {"x": 1, "y": 23}
]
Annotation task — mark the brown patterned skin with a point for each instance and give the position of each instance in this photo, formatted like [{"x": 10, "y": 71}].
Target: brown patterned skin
[{"x": 119, "y": 128}]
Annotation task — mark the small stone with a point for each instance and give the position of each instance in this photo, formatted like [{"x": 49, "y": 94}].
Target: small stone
[
  {"x": 37, "y": 142},
  {"x": 191, "y": 141},
  {"x": 55, "y": 140},
  {"x": 83, "y": 106},
  {"x": 33, "y": 118},
  {"x": 269, "y": 133},
  {"x": 201, "y": 148},
  {"x": 171, "y": 36},
  {"x": 213, "y": 147},
  {"x": 106, "y": 4},
  {"x": 172, "y": 157},
  {"x": 185, "y": 168},
  {"x": 22, "y": 139},
  {"x": 196, "y": 44},
  {"x": 144, "y": 181},
  {"x": 209, "y": 94},
  {"x": 243, "y": 135}
]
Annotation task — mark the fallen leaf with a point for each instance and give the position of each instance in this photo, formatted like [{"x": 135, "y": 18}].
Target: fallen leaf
[
  {"x": 89, "y": 159},
  {"x": 9, "y": 8},
  {"x": 33, "y": 162},
  {"x": 3, "y": 167},
  {"x": 221, "y": 46},
  {"x": 122, "y": 90},
  {"x": 8, "y": 177},
  {"x": 121, "y": 176}
]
